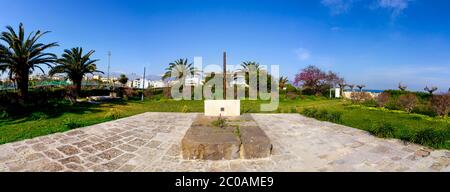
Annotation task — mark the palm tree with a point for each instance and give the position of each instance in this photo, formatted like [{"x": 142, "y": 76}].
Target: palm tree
[
  {"x": 76, "y": 65},
  {"x": 248, "y": 64},
  {"x": 283, "y": 81},
  {"x": 182, "y": 67},
  {"x": 21, "y": 56}
]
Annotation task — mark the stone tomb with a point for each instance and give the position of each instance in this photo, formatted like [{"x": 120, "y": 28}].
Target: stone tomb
[{"x": 218, "y": 138}]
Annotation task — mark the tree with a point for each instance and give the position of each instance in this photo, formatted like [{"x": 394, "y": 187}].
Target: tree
[
  {"x": 402, "y": 87},
  {"x": 254, "y": 68},
  {"x": 360, "y": 87},
  {"x": 351, "y": 86},
  {"x": 76, "y": 65},
  {"x": 123, "y": 79},
  {"x": 430, "y": 90},
  {"x": 248, "y": 64},
  {"x": 315, "y": 79},
  {"x": 283, "y": 82},
  {"x": 182, "y": 67},
  {"x": 21, "y": 56},
  {"x": 342, "y": 86}
]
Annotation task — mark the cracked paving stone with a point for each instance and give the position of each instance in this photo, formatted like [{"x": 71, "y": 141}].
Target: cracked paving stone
[
  {"x": 53, "y": 154},
  {"x": 68, "y": 150},
  {"x": 102, "y": 146},
  {"x": 83, "y": 143},
  {"x": 39, "y": 147},
  {"x": 73, "y": 159},
  {"x": 137, "y": 142},
  {"x": 110, "y": 154},
  {"x": 52, "y": 167},
  {"x": 128, "y": 148},
  {"x": 34, "y": 156}
]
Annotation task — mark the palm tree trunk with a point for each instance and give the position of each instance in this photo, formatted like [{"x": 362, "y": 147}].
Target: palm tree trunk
[
  {"x": 78, "y": 87},
  {"x": 22, "y": 84}
]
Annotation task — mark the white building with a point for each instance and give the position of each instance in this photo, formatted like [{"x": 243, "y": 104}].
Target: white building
[
  {"x": 158, "y": 84},
  {"x": 138, "y": 83},
  {"x": 239, "y": 80}
]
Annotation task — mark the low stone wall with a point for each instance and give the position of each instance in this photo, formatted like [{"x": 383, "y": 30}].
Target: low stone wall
[{"x": 347, "y": 94}]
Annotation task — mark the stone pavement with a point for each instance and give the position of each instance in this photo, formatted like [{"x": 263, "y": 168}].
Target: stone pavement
[{"x": 151, "y": 142}]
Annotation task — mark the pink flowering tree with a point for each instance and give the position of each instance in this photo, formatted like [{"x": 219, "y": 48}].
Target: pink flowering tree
[{"x": 315, "y": 79}]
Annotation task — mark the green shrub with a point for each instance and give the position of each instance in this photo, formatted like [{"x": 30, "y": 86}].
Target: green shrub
[
  {"x": 310, "y": 112},
  {"x": 293, "y": 109},
  {"x": 38, "y": 116},
  {"x": 113, "y": 114},
  {"x": 334, "y": 116},
  {"x": 323, "y": 115},
  {"x": 72, "y": 123},
  {"x": 431, "y": 137},
  {"x": 370, "y": 103},
  {"x": 424, "y": 109},
  {"x": 398, "y": 93},
  {"x": 383, "y": 129},
  {"x": 220, "y": 122}
]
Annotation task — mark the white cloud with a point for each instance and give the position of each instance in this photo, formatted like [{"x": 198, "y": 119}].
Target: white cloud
[
  {"x": 338, "y": 7},
  {"x": 397, "y": 6},
  {"x": 302, "y": 54}
]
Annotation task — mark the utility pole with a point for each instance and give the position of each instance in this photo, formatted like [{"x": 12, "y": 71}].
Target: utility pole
[
  {"x": 109, "y": 66},
  {"x": 225, "y": 75},
  {"x": 143, "y": 86}
]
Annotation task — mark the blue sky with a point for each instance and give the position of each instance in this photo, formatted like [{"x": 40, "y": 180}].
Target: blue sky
[{"x": 374, "y": 42}]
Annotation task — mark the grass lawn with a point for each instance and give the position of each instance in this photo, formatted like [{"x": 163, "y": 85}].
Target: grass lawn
[{"x": 65, "y": 117}]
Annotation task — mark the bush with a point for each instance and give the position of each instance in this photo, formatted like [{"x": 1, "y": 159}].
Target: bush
[
  {"x": 293, "y": 109},
  {"x": 370, "y": 103},
  {"x": 441, "y": 104},
  {"x": 408, "y": 102},
  {"x": 383, "y": 99},
  {"x": 323, "y": 115},
  {"x": 38, "y": 116},
  {"x": 398, "y": 93},
  {"x": 291, "y": 95},
  {"x": 167, "y": 93},
  {"x": 72, "y": 124},
  {"x": 148, "y": 93},
  {"x": 113, "y": 114},
  {"x": 431, "y": 137},
  {"x": 383, "y": 129},
  {"x": 310, "y": 112},
  {"x": 359, "y": 97}
]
